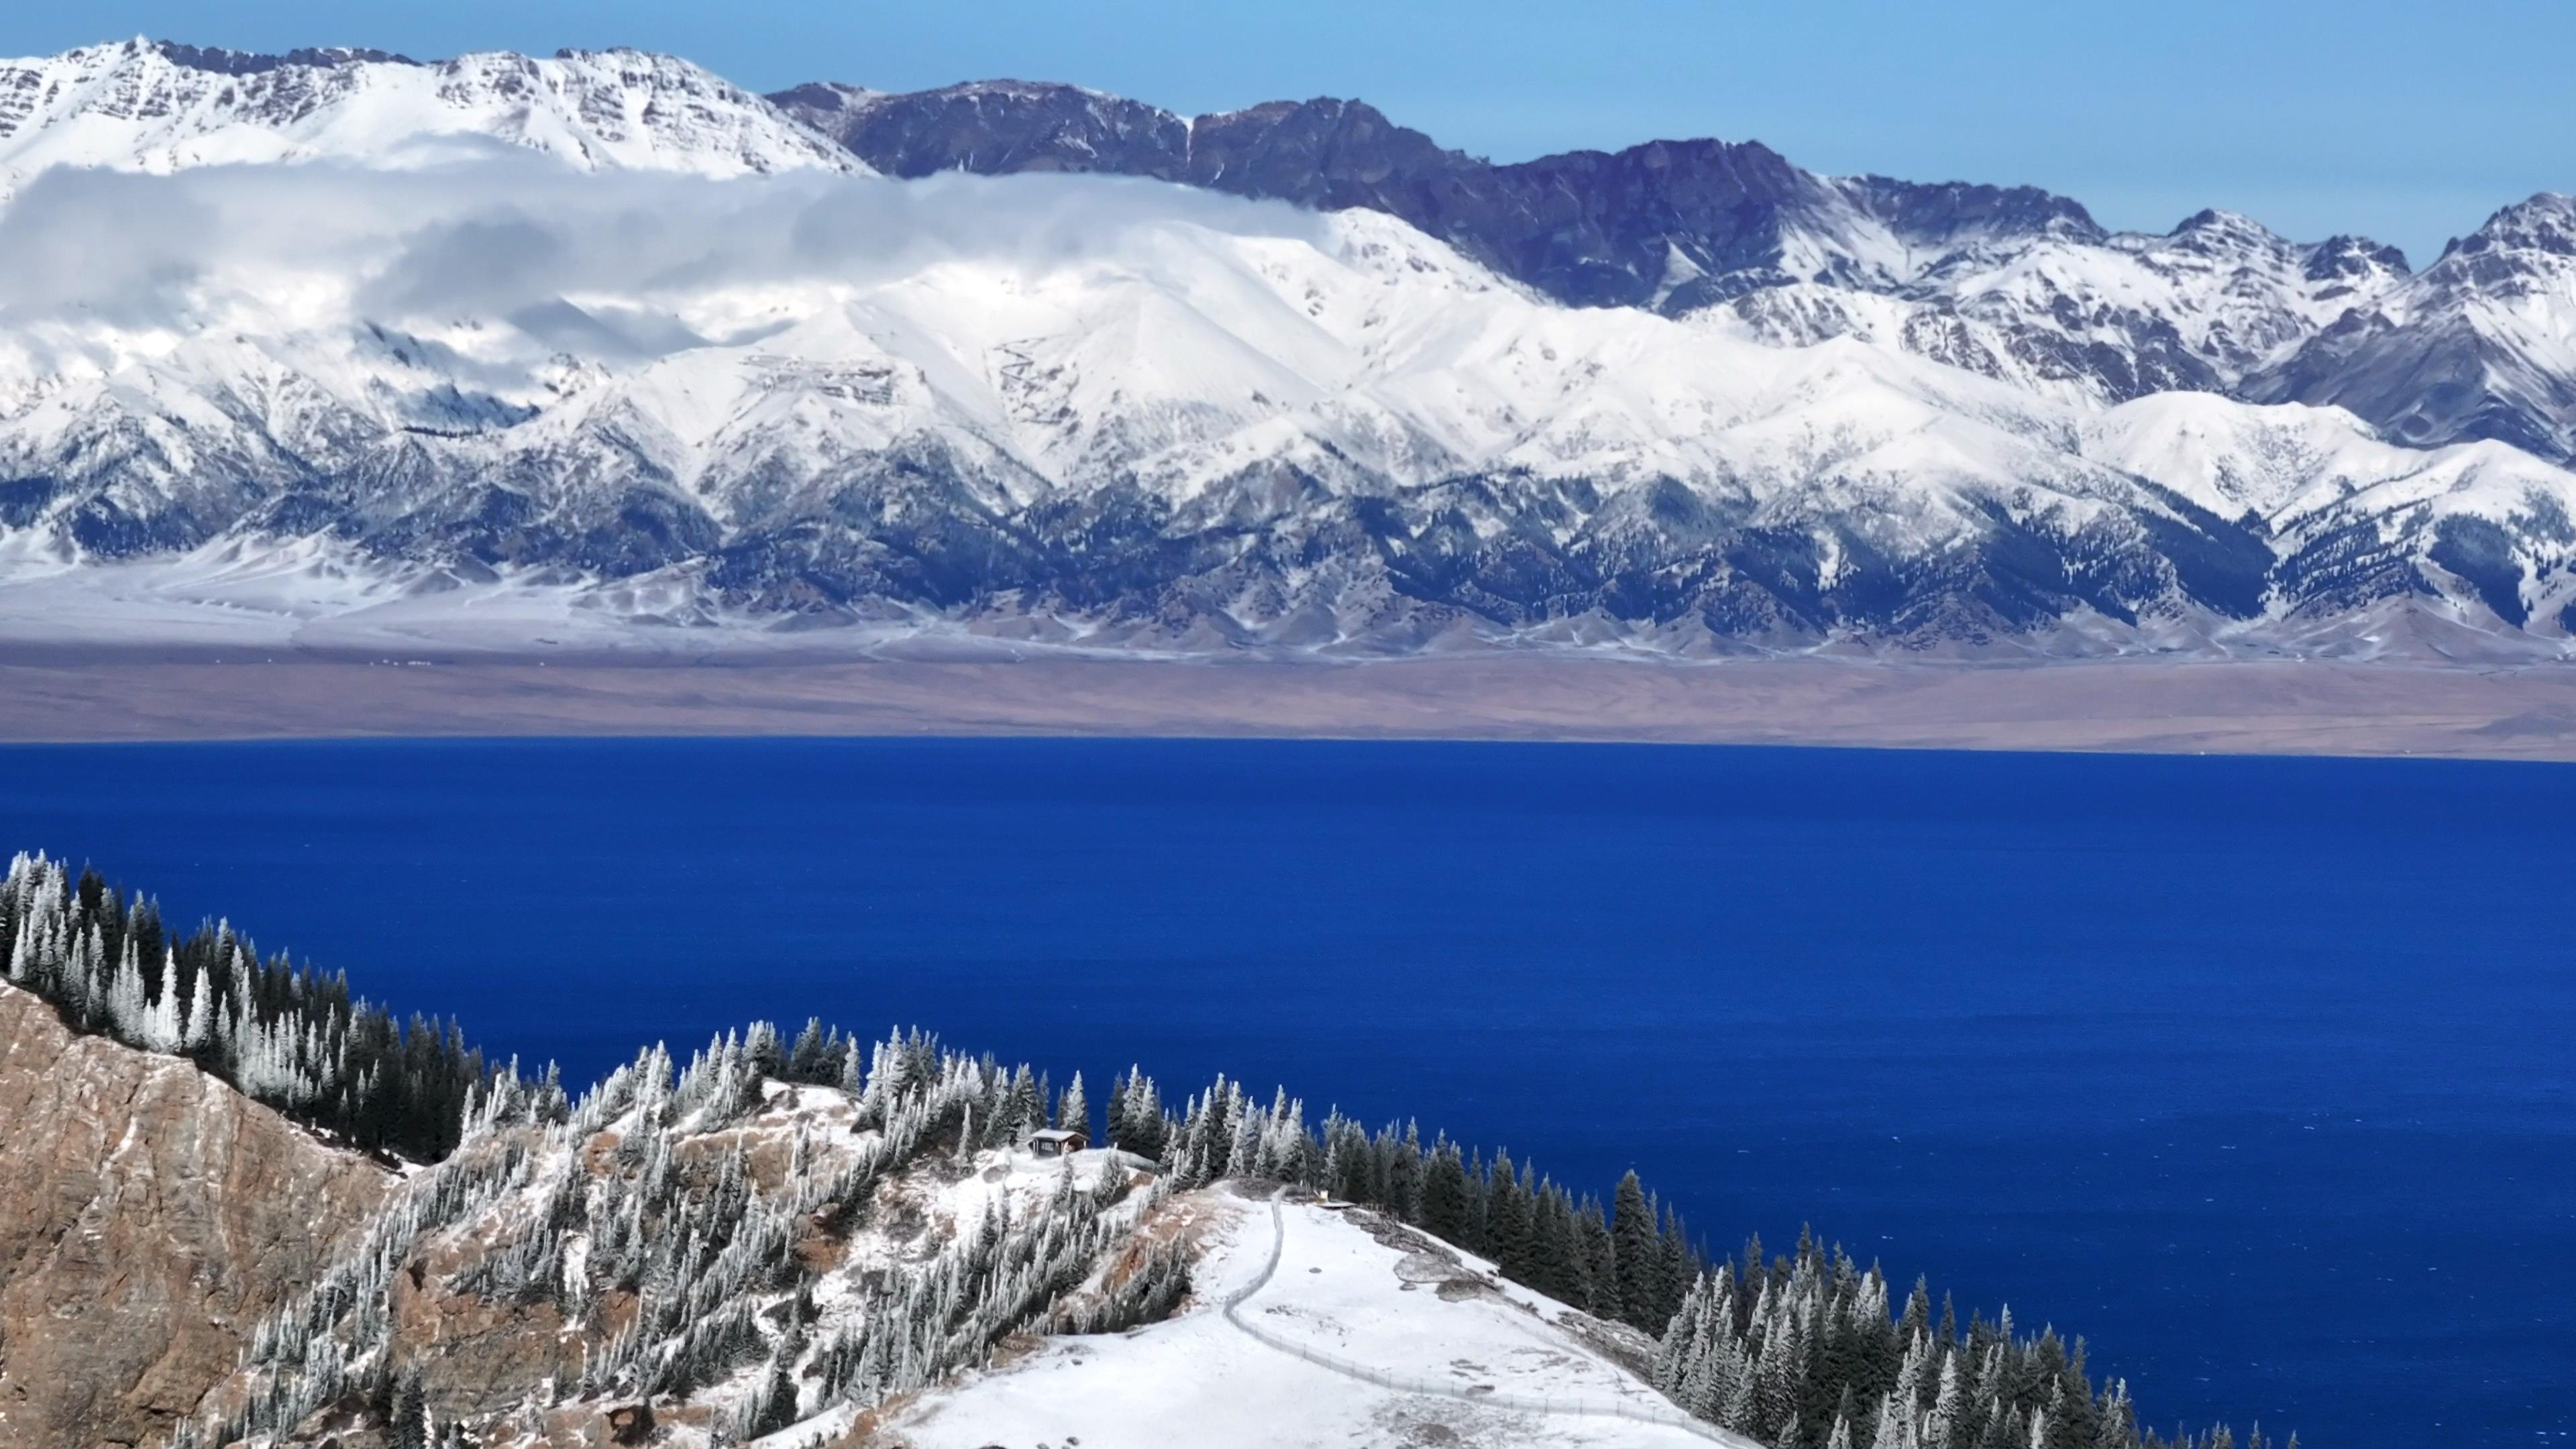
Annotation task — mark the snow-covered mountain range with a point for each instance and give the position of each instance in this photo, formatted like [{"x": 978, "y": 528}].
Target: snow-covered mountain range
[{"x": 340, "y": 336}]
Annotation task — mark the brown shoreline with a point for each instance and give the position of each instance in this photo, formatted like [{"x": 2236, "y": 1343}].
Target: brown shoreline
[{"x": 2137, "y": 706}]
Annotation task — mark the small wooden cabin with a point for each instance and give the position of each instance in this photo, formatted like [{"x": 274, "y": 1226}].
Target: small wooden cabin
[{"x": 1057, "y": 1141}]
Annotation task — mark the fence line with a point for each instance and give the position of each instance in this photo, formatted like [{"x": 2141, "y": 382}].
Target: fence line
[{"x": 1579, "y": 1408}]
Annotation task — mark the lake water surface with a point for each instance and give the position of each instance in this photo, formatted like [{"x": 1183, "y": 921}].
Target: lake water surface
[{"x": 2259, "y": 1074}]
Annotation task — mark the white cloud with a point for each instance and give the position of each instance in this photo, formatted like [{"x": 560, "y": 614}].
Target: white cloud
[{"x": 510, "y": 235}]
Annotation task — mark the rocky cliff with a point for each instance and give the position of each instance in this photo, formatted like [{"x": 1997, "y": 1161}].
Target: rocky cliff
[{"x": 149, "y": 1215}]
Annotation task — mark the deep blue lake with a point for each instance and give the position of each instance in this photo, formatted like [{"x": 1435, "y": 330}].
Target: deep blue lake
[{"x": 2260, "y": 1074}]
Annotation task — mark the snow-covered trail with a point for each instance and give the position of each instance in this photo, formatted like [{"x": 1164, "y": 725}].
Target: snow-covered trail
[{"x": 1570, "y": 1407}]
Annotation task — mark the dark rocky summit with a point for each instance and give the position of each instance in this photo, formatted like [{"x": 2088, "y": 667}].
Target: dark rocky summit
[{"x": 1591, "y": 228}]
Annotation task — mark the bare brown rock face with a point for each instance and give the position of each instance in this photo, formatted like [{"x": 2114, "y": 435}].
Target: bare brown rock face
[{"x": 149, "y": 1215}]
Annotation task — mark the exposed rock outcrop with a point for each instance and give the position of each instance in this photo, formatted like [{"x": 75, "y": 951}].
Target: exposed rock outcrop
[{"x": 149, "y": 1215}]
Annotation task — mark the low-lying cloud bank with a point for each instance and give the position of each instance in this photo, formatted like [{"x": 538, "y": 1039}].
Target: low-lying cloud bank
[{"x": 506, "y": 234}]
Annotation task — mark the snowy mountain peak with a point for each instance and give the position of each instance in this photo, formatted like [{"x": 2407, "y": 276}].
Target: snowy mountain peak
[
  {"x": 160, "y": 106},
  {"x": 996, "y": 126},
  {"x": 2542, "y": 226},
  {"x": 1961, "y": 209},
  {"x": 2235, "y": 226},
  {"x": 2356, "y": 260},
  {"x": 2481, "y": 344}
]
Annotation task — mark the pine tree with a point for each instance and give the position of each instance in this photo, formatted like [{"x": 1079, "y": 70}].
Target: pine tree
[
  {"x": 1638, "y": 1254},
  {"x": 1073, "y": 1113},
  {"x": 813, "y": 1058},
  {"x": 1511, "y": 1235},
  {"x": 1114, "y": 1128},
  {"x": 1404, "y": 1173},
  {"x": 1600, "y": 1261},
  {"x": 1776, "y": 1376},
  {"x": 1443, "y": 1212},
  {"x": 761, "y": 1054},
  {"x": 411, "y": 1413},
  {"x": 1560, "y": 1265},
  {"x": 199, "y": 1032},
  {"x": 1475, "y": 1234},
  {"x": 776, "y": 1408},
  {"x": 1742, "y": 1412},
  {"x": 1680, "y": 1265},
  {"x": 1918, "y": 1313},
  {"x": 1893, "y": 1421},
  {"x": 1944, "y": 1428}
]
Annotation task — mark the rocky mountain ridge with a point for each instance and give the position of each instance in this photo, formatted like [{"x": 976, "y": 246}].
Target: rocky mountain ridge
[
  {"x": 2482, "y": 344},
  {"x": 160, "y": 106},
  {"x": 2011, "y": 281},
  {"x": 1681, "y": 226}
]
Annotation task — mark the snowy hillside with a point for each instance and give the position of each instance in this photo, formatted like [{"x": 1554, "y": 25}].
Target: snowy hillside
[
  {"x": 1350, "y": 1306},
  {"x": 155, "y": 106},
  {"x": 2077, "y": 312}
]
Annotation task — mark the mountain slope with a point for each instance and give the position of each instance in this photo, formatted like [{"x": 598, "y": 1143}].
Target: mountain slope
[
  {"x": 148, "y": 1215},
  {"x": 2115, "y": 317},
  {"x": 1349, "y": 1287},
  {"x": 2481, "y": 345},
  {"x": 158, "y": 106},
  {"x": 1683, "y": 225}
]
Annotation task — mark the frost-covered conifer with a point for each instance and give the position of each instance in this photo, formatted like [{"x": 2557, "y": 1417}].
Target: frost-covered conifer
[
  {"x": 1942, "y": 1426},
  {"x": 162, "y": 1028},
  {"x": 1073, "y": 1112}
]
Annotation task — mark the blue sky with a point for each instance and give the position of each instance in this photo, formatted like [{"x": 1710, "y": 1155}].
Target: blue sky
[{"x": 2408, "y": 122}]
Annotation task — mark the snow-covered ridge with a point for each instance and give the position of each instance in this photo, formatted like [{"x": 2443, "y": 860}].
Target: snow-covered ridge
[
  {"x": 2072, "y": 312},
  {"x": 2014, "y": 282},
  {"x": 1684, "y": 226},
  {"x": 2481, "y": 344},
  {"x": 156, "y": 106}
]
